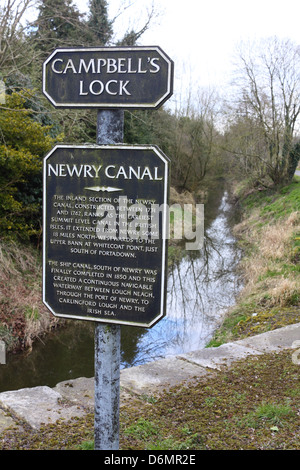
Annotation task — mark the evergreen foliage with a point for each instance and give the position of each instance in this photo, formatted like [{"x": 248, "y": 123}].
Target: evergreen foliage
[
  {"x": 98, "y": 23},
  {"x": 58, "y": 25},
  {"x": 23, "y": 143}
]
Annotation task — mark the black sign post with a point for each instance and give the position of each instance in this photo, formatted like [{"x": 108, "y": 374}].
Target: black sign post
[{"x": 105, "y": 209}]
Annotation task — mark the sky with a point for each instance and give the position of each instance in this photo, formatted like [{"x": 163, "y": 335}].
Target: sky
[{"x": 201, "y": 36}]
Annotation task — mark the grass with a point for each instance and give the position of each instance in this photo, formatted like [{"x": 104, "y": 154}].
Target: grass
[
  {"x": 142, "y": 429},
  {"x": 271, "y": 413},
  {"x": 252, "y": 405},
  {"x": 274, "y": 203}
]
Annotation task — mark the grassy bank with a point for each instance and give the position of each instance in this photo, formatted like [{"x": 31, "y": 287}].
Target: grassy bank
[
  {"x": 23, "y": 317},
  {"x": 269, "y": 235}
]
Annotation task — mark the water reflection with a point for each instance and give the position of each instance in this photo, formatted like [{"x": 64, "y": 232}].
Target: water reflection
[{"x": 201, "y": 286}]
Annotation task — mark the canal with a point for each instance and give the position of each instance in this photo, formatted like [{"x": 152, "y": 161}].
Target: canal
[{"x": 202, "y": 285}]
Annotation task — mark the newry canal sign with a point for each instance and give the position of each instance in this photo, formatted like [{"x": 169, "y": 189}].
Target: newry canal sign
[
  {"x": 105, "y": 228},
  {"x": 104, "y": 234},
  {"x": 124, "y": 77}
]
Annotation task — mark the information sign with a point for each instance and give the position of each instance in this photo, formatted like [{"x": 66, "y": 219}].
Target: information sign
[{"x": 105, "y": 242}]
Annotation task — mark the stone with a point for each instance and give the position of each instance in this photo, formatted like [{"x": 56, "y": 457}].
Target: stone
[
  {"x": 80, "y": 391},
  {"x": 156, "y": 376},
  {"x": 38, "y": 405},
  {"x": 215, "y": 358},
  {"x": 275, "y": 340}
]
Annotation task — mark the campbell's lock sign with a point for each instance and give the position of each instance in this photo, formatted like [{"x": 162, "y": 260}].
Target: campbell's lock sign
[{"x": 120, "y": 77}]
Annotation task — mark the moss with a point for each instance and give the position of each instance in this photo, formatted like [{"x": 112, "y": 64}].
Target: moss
[
  {"x": 266, "y": 320},
  {"x": 252, "y": 405}
]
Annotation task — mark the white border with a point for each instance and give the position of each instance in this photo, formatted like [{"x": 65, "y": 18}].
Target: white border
[
  {"x": 114, "y": 105},
  {"x": 165, "y": 159}
]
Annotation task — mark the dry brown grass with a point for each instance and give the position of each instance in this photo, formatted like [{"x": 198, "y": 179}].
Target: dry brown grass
[
  {"x": 22, "y": 312},
  {"x": 275, "y": 238},
  {"x": 268, "y": 268},
  {"x": 283, "y": 292},
  {"x": 181, "y": 198}
]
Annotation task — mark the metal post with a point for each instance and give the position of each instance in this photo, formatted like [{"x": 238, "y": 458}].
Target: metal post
[
  {"x": 107, "y": 386},
  {"x": 110, "y": 124},
  {"x": 110, "y": 127}
]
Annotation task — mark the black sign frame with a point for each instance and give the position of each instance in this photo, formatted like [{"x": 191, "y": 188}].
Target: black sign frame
[
  {"x": 61, "y": 213},
  {"x": 108, "y": 77}
]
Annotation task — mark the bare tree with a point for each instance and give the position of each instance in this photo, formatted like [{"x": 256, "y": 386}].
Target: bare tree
[
  {"x": 194, "y": 146},
  {"x": 268, "y": 107},
  {"x": 11, "y": 27}
]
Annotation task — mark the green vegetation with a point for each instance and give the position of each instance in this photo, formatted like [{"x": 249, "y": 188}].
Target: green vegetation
[
  {"x": 253, "y": 405},
  {"x": 274, "y": 203},
  {"x": 23, "y": 143}
]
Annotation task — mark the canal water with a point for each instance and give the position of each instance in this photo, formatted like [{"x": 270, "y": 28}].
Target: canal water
[{"x": 202, "y": 285}]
